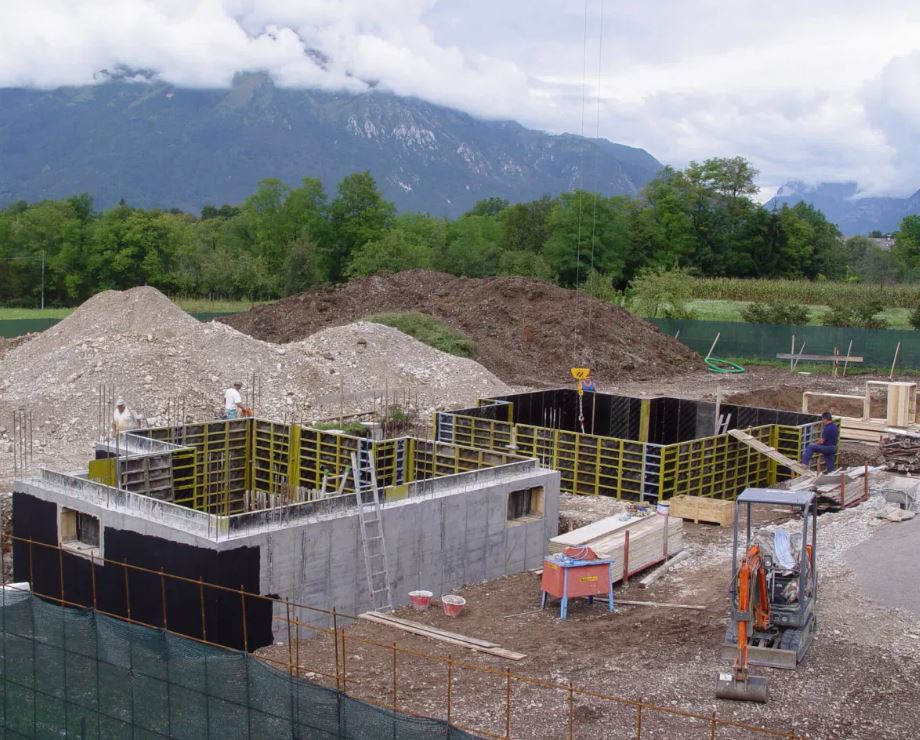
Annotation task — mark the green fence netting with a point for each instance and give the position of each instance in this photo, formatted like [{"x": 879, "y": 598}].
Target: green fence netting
[
  {"x": 765, "y": 341},
  {"x": 75, "y": 673}
]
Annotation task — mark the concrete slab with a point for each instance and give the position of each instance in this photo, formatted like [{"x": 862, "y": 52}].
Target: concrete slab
[{"x": 886, "y": 566}]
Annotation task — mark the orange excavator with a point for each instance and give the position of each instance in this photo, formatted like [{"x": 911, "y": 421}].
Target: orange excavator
[{"x": 774, "y": 587}]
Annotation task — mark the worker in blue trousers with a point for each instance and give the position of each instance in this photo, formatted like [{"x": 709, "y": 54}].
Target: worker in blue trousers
[{"x": 826, "y": 445}]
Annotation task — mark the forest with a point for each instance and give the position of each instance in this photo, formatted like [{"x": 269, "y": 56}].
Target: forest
[{"x": 283, "y": 240}]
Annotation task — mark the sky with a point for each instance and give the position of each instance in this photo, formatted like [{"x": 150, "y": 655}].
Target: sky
[{"x": 816, "y": 91}]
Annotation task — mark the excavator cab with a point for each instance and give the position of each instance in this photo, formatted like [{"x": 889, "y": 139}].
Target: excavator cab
[{"x": 774, "y": 586}]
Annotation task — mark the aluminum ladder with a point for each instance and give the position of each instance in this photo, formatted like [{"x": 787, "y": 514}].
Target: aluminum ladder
[{"x": 371, "y": 525}]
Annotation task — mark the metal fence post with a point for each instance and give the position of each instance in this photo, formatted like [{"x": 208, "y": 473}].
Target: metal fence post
[
  {"x": 508, "y": 703},
  {"x": 571, "y": 711},
  {"x": 394, "y": 676},
  {"x": 450, "y": 671},
  {"x": 639, "y": 719}
]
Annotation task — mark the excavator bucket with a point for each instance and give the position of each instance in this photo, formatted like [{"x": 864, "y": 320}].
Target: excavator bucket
[{"x": 754, "y": 688}]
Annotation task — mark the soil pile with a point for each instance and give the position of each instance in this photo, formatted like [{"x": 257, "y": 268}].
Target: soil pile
[
  {"x": 526, "y": 331},
  {"x": 153, "y": 353}
]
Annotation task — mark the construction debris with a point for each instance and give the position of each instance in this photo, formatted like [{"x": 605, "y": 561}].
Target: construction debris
[{"x": 901, "y": 452}]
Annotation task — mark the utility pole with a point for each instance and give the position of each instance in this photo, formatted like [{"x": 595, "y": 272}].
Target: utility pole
[{"x": 43, "y": 279}]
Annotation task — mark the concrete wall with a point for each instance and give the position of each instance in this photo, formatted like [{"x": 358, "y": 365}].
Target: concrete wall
[{"x": 439, "y": 541}]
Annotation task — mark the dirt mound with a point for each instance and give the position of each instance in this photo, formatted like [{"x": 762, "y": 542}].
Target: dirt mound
[
  {"x": 154, "y": 353},
  {"x": 526, "y": 331}
]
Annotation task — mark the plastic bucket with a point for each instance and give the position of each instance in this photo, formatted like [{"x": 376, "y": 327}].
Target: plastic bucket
[
  {"x": 664, "y": 507},
  {"x": 452, "y": 605},
  {"x": 420, "y": 599}
]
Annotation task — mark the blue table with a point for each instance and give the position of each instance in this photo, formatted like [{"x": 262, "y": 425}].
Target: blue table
[{"x": 565, "y": 578}]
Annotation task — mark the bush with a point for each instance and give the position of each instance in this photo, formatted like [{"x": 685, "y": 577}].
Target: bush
[
  {"x": 354, "y": 428},
  {"x": 775, "y": 313},
  {"x": 859, "y": 313},
  {"x": 662, "y": 292},
  {"x": 915, "y": 318},
  {"x": 429, "y": 330}
]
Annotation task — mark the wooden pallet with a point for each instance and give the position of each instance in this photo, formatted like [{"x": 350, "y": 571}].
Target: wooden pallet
[
  {"x": 768, "y": 451},
  {"x": 702, "y": 509}
]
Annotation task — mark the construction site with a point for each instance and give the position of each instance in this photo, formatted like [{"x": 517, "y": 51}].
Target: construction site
[{"x": 389, "y": 541}]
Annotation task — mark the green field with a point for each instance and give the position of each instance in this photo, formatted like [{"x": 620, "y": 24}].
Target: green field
[
  {"x": 729, "y": 310},
  {"x": 192, "y": 305},
  {"x": 805, "y": 292}
]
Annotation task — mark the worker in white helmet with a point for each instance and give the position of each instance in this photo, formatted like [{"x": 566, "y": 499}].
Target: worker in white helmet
[{"x": 123, "y": 419}]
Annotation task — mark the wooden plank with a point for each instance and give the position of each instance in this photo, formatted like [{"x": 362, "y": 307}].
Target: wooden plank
[
  {"x": 818, "y": 358},
  {"x": 770, "y": 452},
  {"x": 429, "y": 628},
  {"x": 660, "y": 571},
  {"x": 460, "y": 640},
  {"x": 664, "y": 604}
]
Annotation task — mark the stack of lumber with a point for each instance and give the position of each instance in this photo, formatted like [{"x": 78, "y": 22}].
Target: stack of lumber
[
  {"x": 649, "y": 542},
  {"x": 901, "y": 452},
  {"x": 841, "y": 490}
]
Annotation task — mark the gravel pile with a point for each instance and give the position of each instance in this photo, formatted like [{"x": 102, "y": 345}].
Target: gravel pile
[{"x": 153, "y": 353}]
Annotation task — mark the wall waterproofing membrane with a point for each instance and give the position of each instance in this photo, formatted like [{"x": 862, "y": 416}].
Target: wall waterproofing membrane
[{"x": 634, "y": 448}]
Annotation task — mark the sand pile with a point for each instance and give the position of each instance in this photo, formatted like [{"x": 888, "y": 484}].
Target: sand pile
[
  {"x": 526, "y": 331},
  {"x": 153, "y": 352}
]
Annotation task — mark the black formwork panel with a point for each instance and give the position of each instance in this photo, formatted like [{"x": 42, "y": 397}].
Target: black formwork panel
[
  {"x": 743, "y": 417},
  {"x": 671, "y": 420},
  {"x": 605, "y": 415}
]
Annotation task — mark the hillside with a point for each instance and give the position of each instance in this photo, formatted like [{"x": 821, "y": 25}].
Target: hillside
[
  {"x": 526, "y": 332},
  {"x": 157, "y": 146}
]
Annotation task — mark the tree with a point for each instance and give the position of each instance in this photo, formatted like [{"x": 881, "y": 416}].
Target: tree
[
  {"x": 524, "y": 225},
  {"x": 358, "y": 215},
  {"x": 664, "y": 292},
  {"x": 906, "y": 248},
  {"x": 525, "y": 264},
  {"x": 301, "y": 267},
  {"x": 392, "y": 252},
  {"x": 488, "y": 207},
  {"x": 472, "y": 247}
]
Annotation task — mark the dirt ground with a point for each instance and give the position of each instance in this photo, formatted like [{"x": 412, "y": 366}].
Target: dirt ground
[
  {"x": 857, "y": 681},
  {"x": 526, "y": 331}
]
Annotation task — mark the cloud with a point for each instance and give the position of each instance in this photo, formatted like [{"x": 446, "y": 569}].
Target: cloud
[{"x": 824, "y": 90}]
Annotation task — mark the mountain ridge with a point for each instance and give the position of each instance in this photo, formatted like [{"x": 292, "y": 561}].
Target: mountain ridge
[{"x": 159, "y": 146}]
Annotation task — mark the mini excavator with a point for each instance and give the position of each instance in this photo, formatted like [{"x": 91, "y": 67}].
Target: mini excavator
[{"x": 774, "y": 587}]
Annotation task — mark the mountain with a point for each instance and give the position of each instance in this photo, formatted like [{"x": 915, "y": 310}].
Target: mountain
[
  {"x": 159, "y": 146},
  {"x": 853, "y": 215}
]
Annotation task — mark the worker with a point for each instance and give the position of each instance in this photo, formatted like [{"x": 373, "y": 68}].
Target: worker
[
  {"x": 233, "y": 401},
  {"x": 826, "y": 445},
  {"x": 123, "y": 419},
  {"x": 587, "y": 385}
]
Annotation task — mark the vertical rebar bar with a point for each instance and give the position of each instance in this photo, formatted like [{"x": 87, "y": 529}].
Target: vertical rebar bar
[
  {"x": 508, "y": 703},
  {"x": 61, "y": 571},
  {"x": 394, "y": 676},
  {"x": 287, "y": 610},
  {"x": 344, "y": 666},
  {"x": 450, "y": 675},
  {"x": 571, "y": 711},
  {"x": 712, "y": 727},
  {"x": 297, "y": 647},
  {"x": 335, "y": 640},
  {"x": 127, "y": 589},
  {"x": 245, "y": 625},
  {"x": 92, "y": 576},
  {"x": 204, "y": 623},
  {"x": 639, "y": 719},
  {"x": 163, "y": 598}
]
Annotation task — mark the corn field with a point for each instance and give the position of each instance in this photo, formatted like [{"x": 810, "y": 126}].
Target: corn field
[{"x": 903, "y": 295}]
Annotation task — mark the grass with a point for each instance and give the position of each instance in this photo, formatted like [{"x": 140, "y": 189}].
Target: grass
[
  {"x": 730, "y": 310},
  {"x": 822, "y": 368},
  {"x": 808, "y": 292},
  {"x": 429, "y": 330}
]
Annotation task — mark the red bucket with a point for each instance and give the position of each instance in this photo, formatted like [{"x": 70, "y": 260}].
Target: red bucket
[
  {"x": 452, "y": 605},
  {"x": 420, "y": 599}
]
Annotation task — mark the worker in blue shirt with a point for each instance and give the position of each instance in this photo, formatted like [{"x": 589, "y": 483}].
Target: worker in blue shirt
[
  {"x": 826, "y": 445},
  {"x": 587, "y": 385}
]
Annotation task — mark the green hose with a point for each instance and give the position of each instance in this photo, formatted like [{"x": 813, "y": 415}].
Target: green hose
[{"x": 723, "y": 367}]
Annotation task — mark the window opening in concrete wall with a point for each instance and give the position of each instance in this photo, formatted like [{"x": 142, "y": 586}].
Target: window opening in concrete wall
[
  {"x": 79, "y": 531},
  {"x": 525, "y": 503}
]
